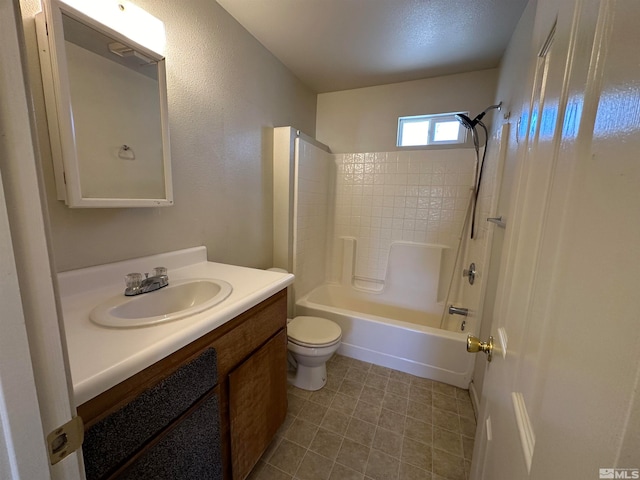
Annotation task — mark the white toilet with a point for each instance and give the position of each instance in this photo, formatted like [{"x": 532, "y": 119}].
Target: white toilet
[{"x": 311, "y": 341}]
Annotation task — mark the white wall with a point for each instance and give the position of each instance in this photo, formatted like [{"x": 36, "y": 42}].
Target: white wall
[
  {"x": 226, "y": 92},
  {"x": 366, "y": 119}
]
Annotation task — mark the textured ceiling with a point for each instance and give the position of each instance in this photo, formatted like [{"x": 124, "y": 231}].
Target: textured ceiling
[{"x": 342, "y": 44}]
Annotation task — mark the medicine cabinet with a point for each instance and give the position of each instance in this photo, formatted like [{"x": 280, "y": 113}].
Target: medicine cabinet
[{"x": 106, "y": 101}]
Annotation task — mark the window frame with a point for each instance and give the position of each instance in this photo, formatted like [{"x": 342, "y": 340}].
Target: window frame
[{"x": 433, "y": 120}]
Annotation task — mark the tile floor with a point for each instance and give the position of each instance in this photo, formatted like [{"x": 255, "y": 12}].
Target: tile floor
[{"x": 372, "y": 423}]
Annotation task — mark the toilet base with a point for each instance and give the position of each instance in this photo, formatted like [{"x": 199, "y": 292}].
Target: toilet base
[{"x": 308, "y": 378}]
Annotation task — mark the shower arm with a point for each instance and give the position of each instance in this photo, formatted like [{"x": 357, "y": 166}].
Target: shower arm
[
  {"x": 498, "y": 107},
  {"x": 471, "y": 124},
  {"x": 484, "y": 112}
]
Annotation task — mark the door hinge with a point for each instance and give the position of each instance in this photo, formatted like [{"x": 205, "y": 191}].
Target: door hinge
[{"x": 65, "y": 439}]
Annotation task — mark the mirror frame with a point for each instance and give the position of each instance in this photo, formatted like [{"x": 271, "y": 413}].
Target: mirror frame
[{"x": 53, "y": 64}]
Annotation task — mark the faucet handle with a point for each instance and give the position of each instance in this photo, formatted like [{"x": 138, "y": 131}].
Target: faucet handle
[
  {"x": 133, "y": 280},
  {"x": 158, "y": 271}
]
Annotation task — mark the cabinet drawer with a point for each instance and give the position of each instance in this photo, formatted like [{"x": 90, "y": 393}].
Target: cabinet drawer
[{"x": 249, "y": 333}]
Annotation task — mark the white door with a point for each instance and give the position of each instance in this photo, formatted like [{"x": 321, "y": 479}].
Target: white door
[
  {"x": 27, "y": 297},
  {"x": 22, "y": 452},
  {"x": 561, "y": 397}
]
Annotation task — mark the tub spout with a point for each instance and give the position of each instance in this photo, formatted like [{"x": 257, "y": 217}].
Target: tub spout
[{"x": 458, "y": 311}]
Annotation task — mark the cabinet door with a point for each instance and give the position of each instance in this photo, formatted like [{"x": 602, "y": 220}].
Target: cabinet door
[
  {"x": 257, "y": 403},
  {"x": 189, "y": 450},
  {"x": 111, "y": 442}
]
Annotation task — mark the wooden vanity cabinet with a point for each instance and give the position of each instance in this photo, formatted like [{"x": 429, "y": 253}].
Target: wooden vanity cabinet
[{"x": 246, "y": 391}]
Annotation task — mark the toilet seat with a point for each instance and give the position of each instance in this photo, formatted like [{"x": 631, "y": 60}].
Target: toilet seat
[
  {"x": 313, "y": 332},
  {"x": 314, "y": 345}
]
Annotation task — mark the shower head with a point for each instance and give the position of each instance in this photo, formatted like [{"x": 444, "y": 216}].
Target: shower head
[
  {"x": 465, "y": 121},
  {"x": 470, "y": 124}
]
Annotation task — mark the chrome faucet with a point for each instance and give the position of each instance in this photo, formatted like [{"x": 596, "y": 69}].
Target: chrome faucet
[
  {"x": 136, "y": 285},
  {"x": 458, "y": 311}
]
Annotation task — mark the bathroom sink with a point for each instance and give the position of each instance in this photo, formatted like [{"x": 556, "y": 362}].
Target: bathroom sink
[{"x": 179, "y": 299}]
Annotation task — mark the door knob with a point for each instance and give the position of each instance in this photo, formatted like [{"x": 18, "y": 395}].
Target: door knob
[{"x": 474, "y": 345}]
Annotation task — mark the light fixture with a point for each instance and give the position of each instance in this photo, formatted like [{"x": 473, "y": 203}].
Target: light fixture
[
  {"x": 127, "y": 19},
  {"x": 124, "y": 51}
]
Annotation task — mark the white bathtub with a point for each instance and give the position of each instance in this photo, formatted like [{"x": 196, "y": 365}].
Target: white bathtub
[{"x": 395, "y": 337}]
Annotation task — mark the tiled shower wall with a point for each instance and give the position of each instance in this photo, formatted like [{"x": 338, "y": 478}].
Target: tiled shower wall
[
  {"x": 313, "y": 200},
  {"x": 378, "y": 198},
  {"x": 417, "y": 196}
]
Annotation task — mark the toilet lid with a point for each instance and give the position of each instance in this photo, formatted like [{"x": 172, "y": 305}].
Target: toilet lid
[{"x": 313, "y": 330}]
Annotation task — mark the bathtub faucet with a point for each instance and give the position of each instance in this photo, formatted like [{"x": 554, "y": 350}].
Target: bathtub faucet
[{"x": 458, "y": 311}]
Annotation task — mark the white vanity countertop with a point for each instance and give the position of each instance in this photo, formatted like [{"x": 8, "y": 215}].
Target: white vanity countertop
[{"x": 102, "y": 357}]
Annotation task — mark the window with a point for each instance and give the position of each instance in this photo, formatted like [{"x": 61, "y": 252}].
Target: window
[{"x": 440, "y": 129}]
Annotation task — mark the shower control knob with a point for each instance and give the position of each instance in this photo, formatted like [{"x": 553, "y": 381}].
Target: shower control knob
[
  {"x": 474, "y": 345},
  {"x": 471, "y": 273}
]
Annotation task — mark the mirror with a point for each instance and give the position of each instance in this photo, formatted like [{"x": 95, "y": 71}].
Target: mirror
[{"x": 106, "y": 110}]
